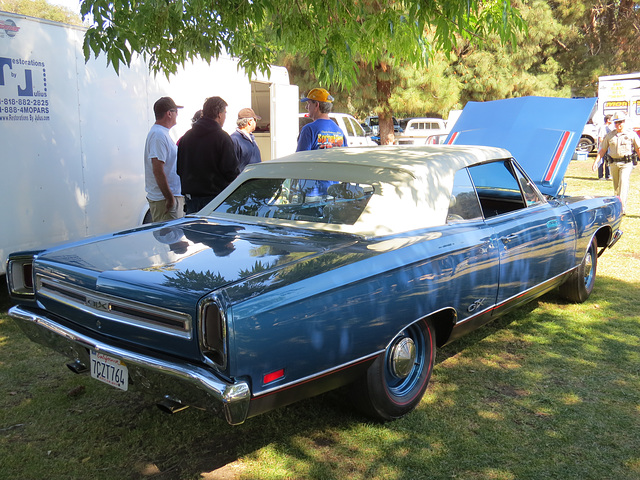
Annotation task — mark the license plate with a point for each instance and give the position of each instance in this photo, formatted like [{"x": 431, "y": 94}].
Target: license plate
[{"x": 109, "y": 370}]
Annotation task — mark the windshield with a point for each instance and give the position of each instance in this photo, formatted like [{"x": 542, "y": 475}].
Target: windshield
[{"x": 308, "y": 200}]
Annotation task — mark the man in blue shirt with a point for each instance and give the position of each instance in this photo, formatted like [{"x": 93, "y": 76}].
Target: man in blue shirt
[
  {"x": 322, "y": 132},
  {"x": 247, "y": 149}
]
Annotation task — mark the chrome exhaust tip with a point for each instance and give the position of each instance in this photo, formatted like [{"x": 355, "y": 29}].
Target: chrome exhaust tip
[{"x": 169, "y": 405}]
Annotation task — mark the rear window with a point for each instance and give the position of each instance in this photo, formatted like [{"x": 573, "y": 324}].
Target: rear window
[
  {"x": 308, "y": 200},
  {"x": 503, "y": 188}
]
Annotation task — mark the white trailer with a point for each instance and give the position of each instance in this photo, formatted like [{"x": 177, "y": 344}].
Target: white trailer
[
  {"x": 616, "y": 93},
  {"x": 620, "y": 93},
  {"x": 73, "y": 133}
]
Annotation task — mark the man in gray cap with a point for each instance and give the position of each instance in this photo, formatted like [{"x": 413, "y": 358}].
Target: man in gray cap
[
  {"x": 162, "y": 183},
  {"x": 247, "y": 149}
]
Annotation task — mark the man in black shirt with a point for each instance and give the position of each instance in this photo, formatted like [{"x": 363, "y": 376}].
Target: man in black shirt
[{"x": 207, "y": 160}]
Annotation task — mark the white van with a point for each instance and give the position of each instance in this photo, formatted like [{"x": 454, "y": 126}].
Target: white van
[
  {"x": 356, "y": 136},
  {"x": 422, "y": 131}
]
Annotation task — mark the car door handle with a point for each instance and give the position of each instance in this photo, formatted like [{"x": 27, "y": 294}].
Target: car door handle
[{"x": 509, "y": 238}]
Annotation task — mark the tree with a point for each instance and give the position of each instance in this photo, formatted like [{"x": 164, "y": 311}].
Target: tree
[
  {"x": 41, "y": 9},
  {"x": 498, "y": 71},
  {"x": 430, "y": 91},
  {"x": 605, "y": 40},
  {"x": 415, "y": 90},
  {"x": 490, "y": 71},
  {"x": 339, "y": 37}
]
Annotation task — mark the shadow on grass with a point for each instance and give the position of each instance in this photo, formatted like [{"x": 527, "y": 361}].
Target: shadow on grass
[
  {"x": 586, "y": 179},
  {"x": 5, "y": 301},
  {"x": 529, "y": 395}
]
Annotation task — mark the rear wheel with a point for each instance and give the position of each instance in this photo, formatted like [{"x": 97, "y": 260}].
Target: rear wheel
[
  {"x": 580, "y": 284},
  {"x": 395, "y": 383}
]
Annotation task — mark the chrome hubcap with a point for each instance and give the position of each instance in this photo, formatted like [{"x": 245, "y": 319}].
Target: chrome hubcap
[
  {"x": 588, "y": 267},
  {"x": 403, "y": 357}
]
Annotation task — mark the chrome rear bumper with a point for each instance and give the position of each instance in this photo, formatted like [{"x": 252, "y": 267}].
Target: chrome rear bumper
[
  {"x": 615, "y": 238},
  {"x": 146, "y": 371}
]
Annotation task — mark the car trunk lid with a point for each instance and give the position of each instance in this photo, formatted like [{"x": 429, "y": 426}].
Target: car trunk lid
[{"x": 144, "y": 286}]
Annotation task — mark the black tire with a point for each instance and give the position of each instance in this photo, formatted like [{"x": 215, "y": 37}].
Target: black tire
[
  {"x": 580, "y": 284},
  {"x": 395, "y": 383}
]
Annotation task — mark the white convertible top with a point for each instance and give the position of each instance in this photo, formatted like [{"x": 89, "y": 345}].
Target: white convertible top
[
  {"x": 418, "y": 159},
  {"x": 412, "y": 184}
]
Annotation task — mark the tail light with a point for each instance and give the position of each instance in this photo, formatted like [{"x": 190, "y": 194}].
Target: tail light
[
  {"x": 213, "y": 336},
  {"x": 20, "y": 276}
]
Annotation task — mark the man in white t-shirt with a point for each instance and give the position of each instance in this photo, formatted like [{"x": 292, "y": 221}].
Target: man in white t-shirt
[{"x": 162, "y": 182}]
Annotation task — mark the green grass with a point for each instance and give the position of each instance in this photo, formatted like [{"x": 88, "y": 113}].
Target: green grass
[{"x": 551, "y": 391}]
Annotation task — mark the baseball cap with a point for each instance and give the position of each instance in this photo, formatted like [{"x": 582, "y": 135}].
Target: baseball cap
[
  {"x": 318, "y": 95},
  {"x": 248, "y": 113},
  {"x": 618, "y": 117},
  {"x": 163, "y": 105}
]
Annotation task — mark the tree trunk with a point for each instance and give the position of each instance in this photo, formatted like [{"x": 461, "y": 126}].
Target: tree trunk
[{"x": 385, "y": 118}]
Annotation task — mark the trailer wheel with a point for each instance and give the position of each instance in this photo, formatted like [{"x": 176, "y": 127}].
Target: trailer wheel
[{"x": 395, "y": 383}]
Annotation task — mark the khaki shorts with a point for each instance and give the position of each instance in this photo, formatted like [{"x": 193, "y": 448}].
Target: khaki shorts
[{"x": 159, "y": 211}]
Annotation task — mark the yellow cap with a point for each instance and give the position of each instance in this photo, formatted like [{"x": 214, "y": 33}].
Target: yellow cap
[{"x": 318, "y": 95}]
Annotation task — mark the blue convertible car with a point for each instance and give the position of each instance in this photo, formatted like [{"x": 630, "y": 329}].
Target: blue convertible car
[{"x": 327, "y": 268}]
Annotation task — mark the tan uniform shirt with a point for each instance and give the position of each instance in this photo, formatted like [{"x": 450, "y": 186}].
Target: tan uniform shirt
[{"x": 620, "y": 144}]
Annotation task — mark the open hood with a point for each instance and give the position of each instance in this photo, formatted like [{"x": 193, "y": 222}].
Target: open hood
[{"x": 540, "y": 132}]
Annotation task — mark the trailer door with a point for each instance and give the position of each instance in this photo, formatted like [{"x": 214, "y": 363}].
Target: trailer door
[{"x": 285, "y": 104}]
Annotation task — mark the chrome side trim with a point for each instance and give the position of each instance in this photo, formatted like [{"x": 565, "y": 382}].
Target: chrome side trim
[
  {"x": 547, "y": 285},
  {"x": 234, "y": 396},
  {"x": 115, "y": 308}
]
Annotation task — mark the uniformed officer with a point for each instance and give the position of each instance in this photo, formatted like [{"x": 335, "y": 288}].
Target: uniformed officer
[{"x": 622, "y": 144}]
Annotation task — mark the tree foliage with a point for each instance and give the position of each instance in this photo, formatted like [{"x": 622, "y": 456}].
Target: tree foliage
[
  {"x": 564, "y": 50},
  {"x": 337, "y": 36},
  {"x": 499, "y": 71},
  {"x": 430, "y": 57},
  {"x": 415, "y": 90},
  {"x": 605, "y": 40},
  {"x": 41, "y": 9}
]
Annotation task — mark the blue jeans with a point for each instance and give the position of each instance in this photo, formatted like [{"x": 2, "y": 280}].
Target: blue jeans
[{"x": 603, "y": 170}]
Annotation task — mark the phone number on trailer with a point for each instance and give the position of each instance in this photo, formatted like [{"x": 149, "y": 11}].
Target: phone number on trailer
[
  {"x": 27, "y": 102},
  {"x": 24, "y": 109}
]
